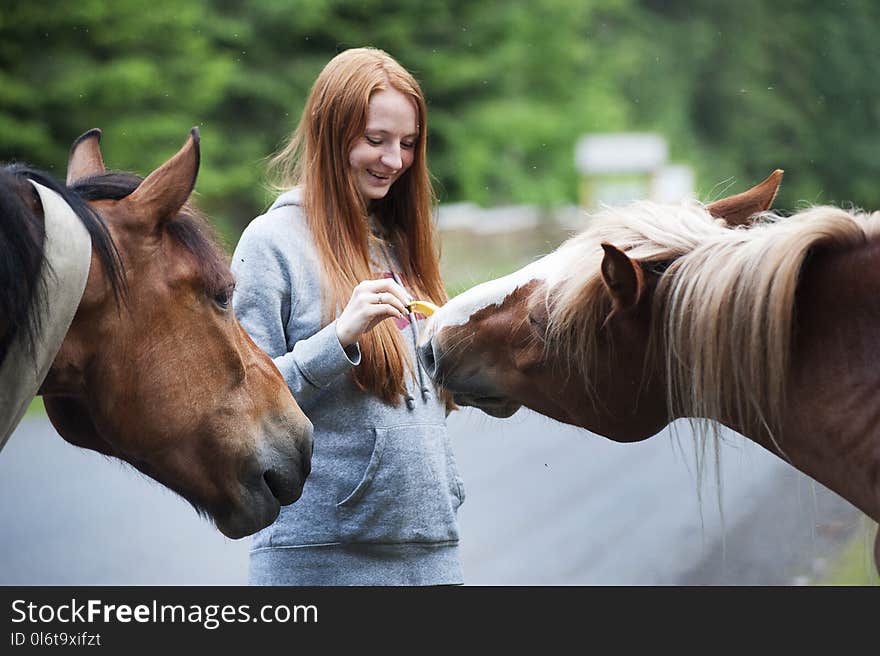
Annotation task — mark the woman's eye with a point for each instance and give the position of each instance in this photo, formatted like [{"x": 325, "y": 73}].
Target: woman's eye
[
  {"x": 408, "y": 144},
  {"x": 372, "y": 140}
]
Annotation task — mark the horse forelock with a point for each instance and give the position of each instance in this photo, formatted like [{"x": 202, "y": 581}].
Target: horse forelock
[
  {"x": 722, "y": 309},
  {"x": 577, "y": 299},
  {"x": 189, "y": 228},
  {"x": 193, "y": 231}
]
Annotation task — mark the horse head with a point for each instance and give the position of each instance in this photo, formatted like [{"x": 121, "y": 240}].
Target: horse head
[
  {"x": 519, "y": 340},
  {"x": 157, "y": 371},
  {"x": 658, "y": 312}
]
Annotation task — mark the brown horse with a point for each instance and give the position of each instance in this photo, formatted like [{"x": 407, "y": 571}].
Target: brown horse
[
  {"x": 150, "y": 364},
  {"x": 659, "y": 312}
]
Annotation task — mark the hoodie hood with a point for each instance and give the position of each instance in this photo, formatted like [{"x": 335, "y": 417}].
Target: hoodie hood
[{"x": 292, "y": 197}]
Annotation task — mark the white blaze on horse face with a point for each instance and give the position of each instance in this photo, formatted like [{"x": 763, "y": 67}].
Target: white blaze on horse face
[{"x": 460, "y": 309}]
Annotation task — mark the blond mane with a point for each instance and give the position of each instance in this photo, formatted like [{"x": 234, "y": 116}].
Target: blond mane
[{"x": 722, "y": 310}]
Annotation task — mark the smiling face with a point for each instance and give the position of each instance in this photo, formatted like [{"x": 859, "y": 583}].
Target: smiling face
[{"x": 387, "y": 147}]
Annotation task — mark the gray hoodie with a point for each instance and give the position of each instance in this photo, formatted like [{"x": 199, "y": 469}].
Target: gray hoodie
[{"x": 380, "y": 506}]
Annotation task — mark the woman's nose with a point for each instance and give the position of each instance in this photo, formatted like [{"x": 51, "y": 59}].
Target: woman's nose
[{"x": 392, "y": 159}]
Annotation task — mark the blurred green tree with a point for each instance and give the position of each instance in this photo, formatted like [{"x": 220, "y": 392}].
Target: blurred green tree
[
  {"x": 143, "y": 74},
  {"x": 737, "y": 89},
  {"x": 744, "y": 88}
]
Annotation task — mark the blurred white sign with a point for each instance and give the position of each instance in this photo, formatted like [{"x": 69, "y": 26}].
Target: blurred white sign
[
  {"x": 618, "y": 168},
  {"x": 630, "y": 152},
  {"x": 672, "y": 183}
]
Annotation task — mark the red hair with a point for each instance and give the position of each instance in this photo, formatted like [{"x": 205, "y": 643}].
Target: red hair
[{"x": 316, "y": 158}]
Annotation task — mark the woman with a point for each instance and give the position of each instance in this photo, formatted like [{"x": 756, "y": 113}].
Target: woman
[{"x": 323, "y": 283}]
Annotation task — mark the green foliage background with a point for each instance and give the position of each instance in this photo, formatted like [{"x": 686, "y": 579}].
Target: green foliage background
[{"x": 737, "y": 88}]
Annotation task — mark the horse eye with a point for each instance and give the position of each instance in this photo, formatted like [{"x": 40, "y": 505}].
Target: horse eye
[
  {"x": 537, "y": 324},
  {"x": 657, "y": 268},
  {"x": 224, "y": 298}
]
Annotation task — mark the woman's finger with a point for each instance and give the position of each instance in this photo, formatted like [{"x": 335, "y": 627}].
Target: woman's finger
[
  {"x": 388, "y": 285},
  {"x": 389, "y": 298},
  {"x": 383, "y": 310}
]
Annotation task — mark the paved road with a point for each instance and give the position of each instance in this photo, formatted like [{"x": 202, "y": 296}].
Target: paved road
[{"x": 546, "y": 504}]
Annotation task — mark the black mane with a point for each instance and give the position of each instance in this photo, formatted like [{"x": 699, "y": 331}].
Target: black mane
[
  {"x": 21, "y": 241},
  {"x": 21, "y": 248}
]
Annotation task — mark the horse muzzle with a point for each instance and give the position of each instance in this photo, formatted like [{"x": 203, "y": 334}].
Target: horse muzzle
[
  {"x": 275, "y": 477},
  {"x": 286, "y": 456},
  {"x": 473, "y": 389}
]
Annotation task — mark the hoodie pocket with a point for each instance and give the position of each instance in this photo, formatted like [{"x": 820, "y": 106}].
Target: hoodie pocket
[{"x": 409, "y": 492}]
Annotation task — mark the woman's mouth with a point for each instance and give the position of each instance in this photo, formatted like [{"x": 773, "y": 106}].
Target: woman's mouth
[{"x": 379, "y": 177}]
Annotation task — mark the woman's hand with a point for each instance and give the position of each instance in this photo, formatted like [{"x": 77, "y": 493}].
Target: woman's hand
[{"x": 371, "y": 302}]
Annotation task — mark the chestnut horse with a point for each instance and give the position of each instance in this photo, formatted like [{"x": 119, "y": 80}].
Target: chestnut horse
[
  {"x": 116, "y": 309},
  {"x": 769, "y": 326}
]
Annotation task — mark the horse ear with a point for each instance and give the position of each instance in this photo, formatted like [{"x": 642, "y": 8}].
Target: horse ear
[
  {"x": 623, "y": 277},
  {"x": 738, "y": 210},
  {"x": 165, "y": 190},
  {"x": 85, "y": 158}
]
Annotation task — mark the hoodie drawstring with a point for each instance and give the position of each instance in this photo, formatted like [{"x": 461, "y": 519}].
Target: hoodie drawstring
[
  {"x": 415, "y": 339},
  {"x": 426, "y": 392}
]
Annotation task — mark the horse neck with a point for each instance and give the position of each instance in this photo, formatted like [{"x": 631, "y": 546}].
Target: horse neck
[{"x": 831, "y": 424}]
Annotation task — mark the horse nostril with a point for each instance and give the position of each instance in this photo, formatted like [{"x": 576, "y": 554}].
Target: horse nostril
[
  {"x": 282, "y": 487},
  {"x": 426, "y": 357},
  {"x": 275, "y": 483}
]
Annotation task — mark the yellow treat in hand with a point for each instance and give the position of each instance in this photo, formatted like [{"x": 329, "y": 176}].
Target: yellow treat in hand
[{"x": 424, "y": 307}]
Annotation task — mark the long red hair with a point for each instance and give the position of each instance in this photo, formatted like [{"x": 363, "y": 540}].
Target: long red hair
[{"x": 316, "y": 158}]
